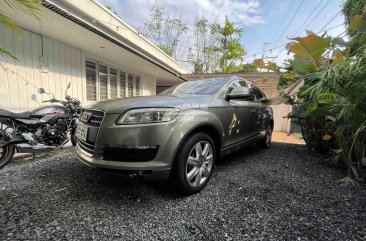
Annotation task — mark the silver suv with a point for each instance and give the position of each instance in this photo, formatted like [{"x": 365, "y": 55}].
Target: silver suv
[{"x": 179, "y": 133}]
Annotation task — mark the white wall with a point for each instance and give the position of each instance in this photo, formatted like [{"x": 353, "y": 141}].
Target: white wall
[
  {"x": 60, "y": 64},
  {"x": 279, "y": 112},
  {"x": 20, "y": 79},
  {"x": 148, "y": 85}
]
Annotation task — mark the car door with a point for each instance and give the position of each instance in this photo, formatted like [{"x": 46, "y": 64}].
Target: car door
[
  {"x": 259, "y": 109},
  {"x": 244, "y": 126}
]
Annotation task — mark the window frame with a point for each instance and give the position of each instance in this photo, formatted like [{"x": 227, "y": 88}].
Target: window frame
[
  {"x": 96, "y": 79},
  {"x": 119, "y": 70},
  {"x": 253, "y": 87}
]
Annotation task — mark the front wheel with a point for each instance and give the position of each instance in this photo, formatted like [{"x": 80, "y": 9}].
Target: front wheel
[
  {"x": 73, "y": 139},
  {"x": 6, "y": 154},
  {"x": 194, "y": 164}
]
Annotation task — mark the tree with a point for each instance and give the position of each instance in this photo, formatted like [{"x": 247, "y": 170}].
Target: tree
[
  {"x": 242, "y": 68},
  {"x": 163, "y": 30},
  {"x": 229, "y": 47},
  {"x": 204, "y": 58},
  {"x": 198, "y": 60},
  {"x": 332, "y": 100},
  {"x": 351, "y": 8},
  {"x": 30, "y": 7}
]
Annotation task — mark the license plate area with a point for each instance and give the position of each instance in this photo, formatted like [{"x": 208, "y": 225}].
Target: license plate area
[{"x": 82, "y": 131}]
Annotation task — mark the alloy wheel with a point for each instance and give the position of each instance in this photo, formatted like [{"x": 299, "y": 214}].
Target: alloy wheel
[{"x": 199, "y": 163}]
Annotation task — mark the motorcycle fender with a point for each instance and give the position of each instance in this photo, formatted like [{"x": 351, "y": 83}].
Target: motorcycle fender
[{"x": 13, "y": 140}]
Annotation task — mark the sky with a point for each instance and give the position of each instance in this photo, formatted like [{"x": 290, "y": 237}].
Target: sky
[{"x": 267, "y": 24}]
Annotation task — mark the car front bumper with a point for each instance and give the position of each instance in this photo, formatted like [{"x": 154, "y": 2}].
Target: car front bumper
[{"x": 161, "y": 135}]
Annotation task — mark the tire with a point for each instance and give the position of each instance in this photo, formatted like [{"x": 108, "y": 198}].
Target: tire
[
  {"x": 183, "y": 177},
  {"x": 267, "y": 140},
  {"x": 73, "y": 139},
  {"x": 6, "y": 154}
]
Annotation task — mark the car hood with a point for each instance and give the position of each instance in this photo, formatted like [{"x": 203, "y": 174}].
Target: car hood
[{"x": 117, "y": 106}]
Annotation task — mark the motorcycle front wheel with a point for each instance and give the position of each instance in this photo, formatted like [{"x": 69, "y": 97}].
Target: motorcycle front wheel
[
  {"x": 73, "y": 139},
  {"x": 6, "y": 154}
]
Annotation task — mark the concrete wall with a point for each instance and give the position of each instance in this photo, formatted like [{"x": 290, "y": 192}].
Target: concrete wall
[{"x": 47, "y": 63}]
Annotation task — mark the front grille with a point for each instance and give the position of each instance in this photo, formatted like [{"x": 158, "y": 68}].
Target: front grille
[
  {"x": 86, "y": 146},
  {"x": 92, "y": 117},
  {"x": 129, "y": 154}
]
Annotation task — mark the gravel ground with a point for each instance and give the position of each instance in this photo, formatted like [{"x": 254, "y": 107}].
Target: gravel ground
[{"x": 283, "y": 193}]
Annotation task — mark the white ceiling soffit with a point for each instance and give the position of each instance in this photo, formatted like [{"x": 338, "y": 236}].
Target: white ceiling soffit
[{"x": 84, "y": 35}]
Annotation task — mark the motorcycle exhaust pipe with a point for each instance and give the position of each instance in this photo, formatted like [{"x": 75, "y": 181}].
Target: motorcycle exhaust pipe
[
  {"x": 12, "y": 140},
  {"x": 26, "y": 148}
]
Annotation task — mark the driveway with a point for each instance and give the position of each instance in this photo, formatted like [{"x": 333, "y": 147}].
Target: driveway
[{"x": 283, "y": 193}]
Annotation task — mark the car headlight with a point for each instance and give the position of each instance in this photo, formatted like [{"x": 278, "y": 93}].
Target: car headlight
[{"x": 148, "y": 115}]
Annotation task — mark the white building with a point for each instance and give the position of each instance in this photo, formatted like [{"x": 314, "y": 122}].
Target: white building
[{"x": 84, "y": 43}]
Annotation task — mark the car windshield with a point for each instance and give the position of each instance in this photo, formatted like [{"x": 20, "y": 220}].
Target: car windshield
[{"x": 197, "y": 87}]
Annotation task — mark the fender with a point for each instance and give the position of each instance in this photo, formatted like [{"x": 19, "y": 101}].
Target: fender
[{"x": 190, "y": 121}]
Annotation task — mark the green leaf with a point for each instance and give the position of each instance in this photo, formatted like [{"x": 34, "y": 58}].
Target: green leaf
[
  {"x": 358, "y": 24},
  {"x": 6, "y": 53},
  {"x": 10, "y": 24},
  {"x": 303, "y": 66},
  {"x": 30, "y": 7},
  {"x": 326, "y": 98},
  {"x": 310, "y": 47}
]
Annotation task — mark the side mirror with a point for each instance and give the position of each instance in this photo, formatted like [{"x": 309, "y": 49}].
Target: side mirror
[
  {"x": 239, "y": 93},
  {"x": 68, "y": 85},
  {"x": 41, "y": 91}
]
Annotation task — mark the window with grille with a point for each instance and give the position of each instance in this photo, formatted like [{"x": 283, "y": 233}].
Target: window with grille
[
  {"x": 103, "y": 82},
  {"x": 113, "y": 83},
  {"x": 137, "y": 86},
  {"x": 122, "y": 84},
  {"x": 130, "y": 85},
  {"x": 91, "y": 80}
]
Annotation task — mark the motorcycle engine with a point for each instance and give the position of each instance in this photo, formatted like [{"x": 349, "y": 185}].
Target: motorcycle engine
[{"x": 55, "y": 134}]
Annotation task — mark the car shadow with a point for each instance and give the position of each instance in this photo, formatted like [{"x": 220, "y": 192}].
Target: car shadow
[
  {"x": 122, "y": 185},
  {"x": 240, "y": 155},
  {"x": 72, "y": 178}
]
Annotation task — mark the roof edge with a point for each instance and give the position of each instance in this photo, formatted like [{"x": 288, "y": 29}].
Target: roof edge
[{"x": 102, "y": 29}]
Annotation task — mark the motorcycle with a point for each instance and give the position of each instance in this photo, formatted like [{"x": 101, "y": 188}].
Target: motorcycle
[{"x": 42, "y": 129}]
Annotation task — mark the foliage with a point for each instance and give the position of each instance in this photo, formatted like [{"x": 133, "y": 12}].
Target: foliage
[
  {"x": 243, "y": 68},
  {"x": 332, "y": 101},
  {"x": 217, "y": 48},
  {"x": 229, "y": 47},
  {"x": 204, "y": 58},
  {"x": 30, "y": 7},
  {"x": 163, "y": 30},
  {"x": 351, "y": 8}
]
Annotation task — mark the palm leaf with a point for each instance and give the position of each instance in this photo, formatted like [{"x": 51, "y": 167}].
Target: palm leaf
[
  {"x": 6, "y": 53},
  {"x": 30, "y": 7},
  {"x": 9, "y": 23}
]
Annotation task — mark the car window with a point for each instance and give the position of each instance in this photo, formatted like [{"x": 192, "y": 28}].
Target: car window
[
  {"x": 257, "y": 93},
  {"x": 197, "y": 87}
]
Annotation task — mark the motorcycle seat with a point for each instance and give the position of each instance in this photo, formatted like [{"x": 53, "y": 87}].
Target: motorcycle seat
[{"x": 20, "y": 115}]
